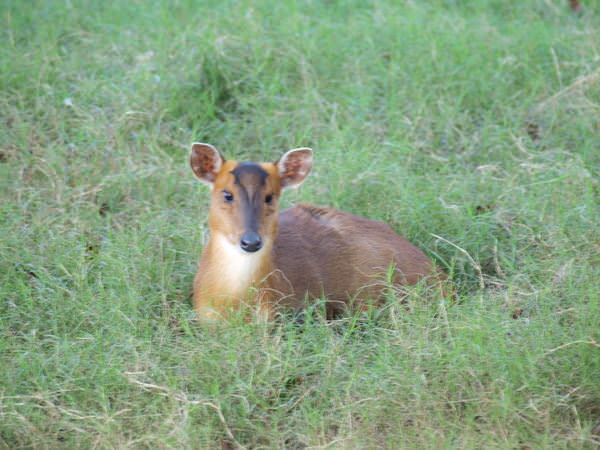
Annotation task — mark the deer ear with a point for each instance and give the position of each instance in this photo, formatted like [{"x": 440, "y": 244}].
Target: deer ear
[
  {"x": 294, "y": 166},
  {"x": 206, "y": 162}
]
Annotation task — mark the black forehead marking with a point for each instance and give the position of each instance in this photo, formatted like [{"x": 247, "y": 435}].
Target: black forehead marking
[{"x": 249, "y": 173}]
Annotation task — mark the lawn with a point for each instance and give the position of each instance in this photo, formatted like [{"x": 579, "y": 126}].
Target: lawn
[{"x": 471, "y": 127}]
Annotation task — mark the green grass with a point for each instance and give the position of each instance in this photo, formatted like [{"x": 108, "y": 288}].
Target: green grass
[{"x": 474, "y": 121}]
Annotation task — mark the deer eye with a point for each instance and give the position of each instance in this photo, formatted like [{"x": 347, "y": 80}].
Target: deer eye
[
  {"x": 227, "y": 196},
  {"x": 269, "y": 199}
]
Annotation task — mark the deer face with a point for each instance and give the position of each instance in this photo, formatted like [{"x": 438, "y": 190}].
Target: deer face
[{"x": 245, "y": 196}]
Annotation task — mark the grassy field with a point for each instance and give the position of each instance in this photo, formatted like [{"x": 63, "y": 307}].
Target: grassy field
[{"x": 472, "y": 127}]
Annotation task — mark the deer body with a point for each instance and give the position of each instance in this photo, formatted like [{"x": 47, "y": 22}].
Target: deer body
[{"x": 267, "y": 259}]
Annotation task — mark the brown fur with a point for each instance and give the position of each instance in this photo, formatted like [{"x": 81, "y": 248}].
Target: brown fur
[
  {"x": 308, "y": 252},
  {"x": 328, "y": 252}
]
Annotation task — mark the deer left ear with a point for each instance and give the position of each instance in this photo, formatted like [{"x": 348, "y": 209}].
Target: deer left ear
[
  {"x": 294, "y": 166},
  {"x": 206, "y": 162}
]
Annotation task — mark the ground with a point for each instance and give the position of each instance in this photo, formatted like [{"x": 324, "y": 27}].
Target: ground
[{"x": 471, "y": 127}]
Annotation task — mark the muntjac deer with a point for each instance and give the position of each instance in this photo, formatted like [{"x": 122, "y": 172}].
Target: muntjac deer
[{"x": 258, "y": 256}]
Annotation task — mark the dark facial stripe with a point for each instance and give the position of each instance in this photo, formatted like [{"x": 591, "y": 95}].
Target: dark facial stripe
[
  {"x": 251, "y": 178},
  {"x": 251, "y": 206},
  {"x": 249, "y": 173}
]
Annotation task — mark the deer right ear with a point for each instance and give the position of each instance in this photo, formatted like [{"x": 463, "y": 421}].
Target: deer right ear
[
  {"x": 294, "y": 166},
  {"x": 206, "y": 162}
]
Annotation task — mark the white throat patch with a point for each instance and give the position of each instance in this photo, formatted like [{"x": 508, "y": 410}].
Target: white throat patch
[{"x": 240, "y": 268}]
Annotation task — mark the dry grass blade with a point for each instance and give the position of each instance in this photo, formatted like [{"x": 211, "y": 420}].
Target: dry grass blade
[
  {"x": 476, "y": 266},
  {"x": 569, "y": 344},
  {"x": 182, "y": 397},
  {"x": 579, "y": 83}
]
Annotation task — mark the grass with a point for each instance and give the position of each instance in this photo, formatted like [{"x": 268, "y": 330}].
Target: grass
[{"x": 470, "y": 126}]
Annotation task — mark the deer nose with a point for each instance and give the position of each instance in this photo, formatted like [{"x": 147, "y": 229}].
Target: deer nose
[{"x": 251, "y": 242}]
